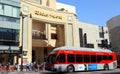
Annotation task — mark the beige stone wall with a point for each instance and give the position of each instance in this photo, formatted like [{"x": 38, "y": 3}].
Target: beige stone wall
[
  {"x": 45, "y": 3},
  {"x": 56, "y": 22},
  {"x": 92, "y": 32}
]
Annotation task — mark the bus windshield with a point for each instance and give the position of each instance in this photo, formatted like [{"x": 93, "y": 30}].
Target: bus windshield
[{"x": 51, "y": 59}]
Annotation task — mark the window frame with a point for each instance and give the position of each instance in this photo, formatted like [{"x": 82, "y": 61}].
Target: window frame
[
  {"x": 79, "y": 56},
  {"x": 99, "y": 58},
  {"x": 93, "y": 58},
  {"x": 59, "y": 60},
  {"x": 70, "y": 59},
  {"x": 86, "y": 58}
]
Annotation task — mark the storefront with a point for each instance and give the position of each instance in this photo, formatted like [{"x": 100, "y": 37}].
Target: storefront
[{"x": 8, "y": 56}]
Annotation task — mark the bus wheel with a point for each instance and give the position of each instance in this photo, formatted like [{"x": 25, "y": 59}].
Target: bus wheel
[
  {"x": 106, "y": 67},
  {"x": 70, "y": 68}
]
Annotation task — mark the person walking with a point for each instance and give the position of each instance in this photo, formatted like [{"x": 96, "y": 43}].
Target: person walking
[
  {"x": 2, "y": 65},
  {"x": 7, "y": 66},
  {"x": 27, "y": 66},
  {"x": 16, "y": 67},
  {"x": 35, "y": 67},
  {"x": 31, "y": 66}
]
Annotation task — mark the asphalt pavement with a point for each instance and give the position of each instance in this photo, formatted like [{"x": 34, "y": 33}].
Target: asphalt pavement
[{"x": 115, "y": 71}]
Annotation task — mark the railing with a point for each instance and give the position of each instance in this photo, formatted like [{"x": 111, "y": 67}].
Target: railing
[{"x": 38, "y": 35}]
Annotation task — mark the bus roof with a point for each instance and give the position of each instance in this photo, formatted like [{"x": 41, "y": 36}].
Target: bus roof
[{"x": 81, "y": 49}]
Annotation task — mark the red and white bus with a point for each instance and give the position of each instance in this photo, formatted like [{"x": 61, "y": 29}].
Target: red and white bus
[{"x": 69, "y": 59}]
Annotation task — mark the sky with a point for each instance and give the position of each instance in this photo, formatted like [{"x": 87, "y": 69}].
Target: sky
[{"x": 96, "y": 12}]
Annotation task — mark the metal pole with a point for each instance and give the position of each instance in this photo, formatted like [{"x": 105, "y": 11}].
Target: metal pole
[
  {"x": 22, "y": 43},
  {"x": 23, "y": 16}
]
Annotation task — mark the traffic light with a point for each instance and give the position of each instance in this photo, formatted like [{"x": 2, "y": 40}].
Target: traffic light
[{"x": 20, "y": 49}]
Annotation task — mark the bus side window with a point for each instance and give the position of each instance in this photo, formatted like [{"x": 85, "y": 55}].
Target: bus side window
[
  {"x": 93, "y": 58},
  {"x": 86, "y": 58},
  {"x": 61, "y": 58},
  {"x": 105, "y": 57},
  {"x": 110, "y": 57},
  {"x": 99, "y": 58},
  {"x": 71, "y": 58},
  {"x": 79, "y": 58}
]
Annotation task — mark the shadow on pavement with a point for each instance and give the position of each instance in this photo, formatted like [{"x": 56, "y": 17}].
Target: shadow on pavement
[
  {"x": 4, "y": 72},
  {"x": 112, "y": 73},
  {"x": 52, "y": 73}
]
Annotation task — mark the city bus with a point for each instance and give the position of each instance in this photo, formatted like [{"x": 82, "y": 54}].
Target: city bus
[{"x": 70, "y": 59}]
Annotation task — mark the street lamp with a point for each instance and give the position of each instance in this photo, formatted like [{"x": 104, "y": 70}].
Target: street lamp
[
  {"x": 21, "y": 47},
  {"x": 9, "y": 49}
]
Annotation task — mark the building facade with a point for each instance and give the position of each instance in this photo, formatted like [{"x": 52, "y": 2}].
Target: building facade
[
  {"x": 9, "y": 30},
  {"x": 91, "y": 35},
  {"x": 114, "y": 30},
  {"x": 44, "y": 27}
]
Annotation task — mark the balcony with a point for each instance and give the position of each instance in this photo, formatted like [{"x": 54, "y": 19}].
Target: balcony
[{"x": 38, "y": 35}]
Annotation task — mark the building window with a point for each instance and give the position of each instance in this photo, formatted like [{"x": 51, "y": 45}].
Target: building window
[
  {"x": 25, "y": 8},
  {"x": 11, "y": 19},
  {"x": 70, "y": 34},
  {"x": 0, "y": 6},
  {"x": 101, "y": 32},
  {"x": 90, "y": 45},
  {"x": 53, "y": 36},
  {"x": 47, "y": 3},
  {"x": 8, "y": 36},
  {"x": 69, "y": 18},
  {"x": 85, "y": 39},
  {"x": 1, "y": 9},
  {"x": 81, "y": 37},
  {"x": 40, "y": 1},
  {"x": 15, "y": 12},
  {"x": 8, "y": 10}
]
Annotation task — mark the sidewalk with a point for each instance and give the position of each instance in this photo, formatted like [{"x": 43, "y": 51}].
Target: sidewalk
[{"x": 26, "y": 72}]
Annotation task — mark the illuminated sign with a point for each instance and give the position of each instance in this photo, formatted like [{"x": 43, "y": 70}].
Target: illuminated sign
[{"x": 48, "y": 15}]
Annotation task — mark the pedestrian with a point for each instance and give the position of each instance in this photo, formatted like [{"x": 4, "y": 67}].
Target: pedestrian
[
  {"x": 27, "y": 66},
  {"x": 42, "y": 65},
  {"x": 2, "y": 65},
  {"x": 35, "y": 67},
  {"x": 31, "y": 66},
  {"x": 7, "y": 66},
  {"x": 16, "y": 67}
]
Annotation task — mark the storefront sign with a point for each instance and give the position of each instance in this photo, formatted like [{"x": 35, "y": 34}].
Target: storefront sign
[
  {"x": 9, "y": 51},
  {"x": 48, "y": 15}
]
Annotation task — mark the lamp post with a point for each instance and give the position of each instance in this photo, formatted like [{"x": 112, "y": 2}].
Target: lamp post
[
  {"x": 21, "y": 47},
  {"x": 22, "y": 28},
  {"x": 9, "y": 49}
]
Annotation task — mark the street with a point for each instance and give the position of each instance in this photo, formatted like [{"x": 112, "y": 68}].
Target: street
[{"x": 116, "y": 71}]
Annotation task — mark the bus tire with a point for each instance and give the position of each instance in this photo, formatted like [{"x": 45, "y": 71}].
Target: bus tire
[
  {"x": 70, "y": 68},
  {"x": 106, "y": 67}
]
